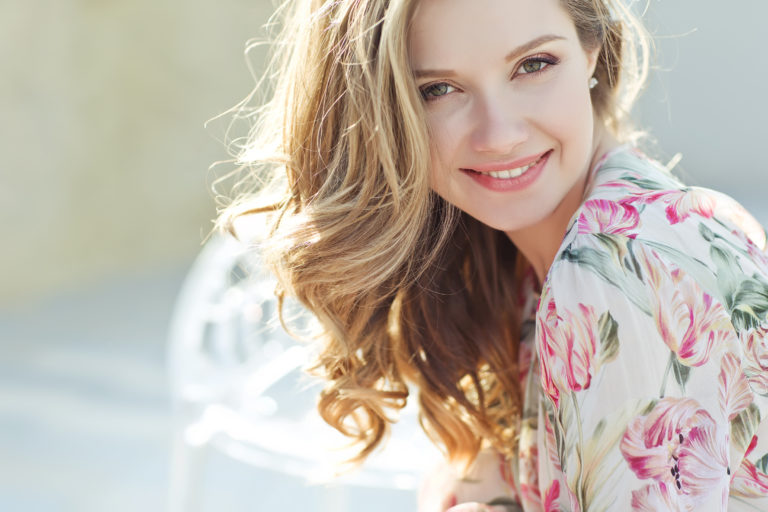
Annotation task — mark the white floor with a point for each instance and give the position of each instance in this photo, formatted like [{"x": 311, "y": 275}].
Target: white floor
[{"x": 85, "y": 417}]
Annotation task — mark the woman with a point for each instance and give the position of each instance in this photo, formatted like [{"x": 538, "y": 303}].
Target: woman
[{"x": 459, "y": 207}]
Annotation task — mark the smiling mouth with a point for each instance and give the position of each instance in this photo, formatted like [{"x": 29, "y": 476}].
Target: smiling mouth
[{"x": 509, "y": 173}]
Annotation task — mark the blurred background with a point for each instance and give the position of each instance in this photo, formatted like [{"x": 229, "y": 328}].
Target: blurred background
[{"x": 105, "y": 196}]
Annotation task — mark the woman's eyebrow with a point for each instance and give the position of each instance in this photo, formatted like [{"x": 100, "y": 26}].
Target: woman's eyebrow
[
  {"x": 525, "y": 47},
  {"x": 530, "y": 45}
]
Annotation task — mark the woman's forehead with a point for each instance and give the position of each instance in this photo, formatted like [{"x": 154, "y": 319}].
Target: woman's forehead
[{"x": 445, "y": 29}]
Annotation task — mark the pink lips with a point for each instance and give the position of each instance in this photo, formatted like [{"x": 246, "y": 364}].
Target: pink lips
[{"x": 509, "y": 184}]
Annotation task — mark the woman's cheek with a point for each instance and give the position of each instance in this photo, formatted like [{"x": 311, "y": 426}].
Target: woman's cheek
[
  {"x": 566, "y": 104},
  {"x": 444, "y": 144},
  {"x": 571, "y": 117}
]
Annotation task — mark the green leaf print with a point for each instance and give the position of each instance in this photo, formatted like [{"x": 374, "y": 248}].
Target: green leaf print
[
  {"x": 644, "y": 183},
  {"x": 558, "y": 433},
  {"x": 601, "y": 468},
  {"x": 648, "y": 408},
  {"x": 729, "y": 274},
  {"x": 706, "y": 233},
  {"x": 750, "y": 303},
  {"x": 599, "y": 429},
  {"x": 680, "y": 371},
  {"x": 530, "y": 404},
  {"x": 694, "y": 267},
  {"x": 616, "y": 245},
  {"x": 745, "y": 298},
  {"x": 609, "y": 338},
  {"x": 575, "y": 478},
  {"x": 736, "y": 248},
  {"x": 744, "y": 426},
  {"x": 603, "y": 265},
  {"x": 762, "y": 464}
]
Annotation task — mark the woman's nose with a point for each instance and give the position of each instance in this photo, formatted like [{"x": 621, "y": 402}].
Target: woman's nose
[{"x": 498, "y": 129}]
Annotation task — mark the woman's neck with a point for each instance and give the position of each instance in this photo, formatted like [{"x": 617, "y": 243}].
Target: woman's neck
[{"x": 540, "y": 242}]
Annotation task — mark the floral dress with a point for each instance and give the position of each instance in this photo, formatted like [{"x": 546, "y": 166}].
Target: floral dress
[{"x": 647, "y": 353}]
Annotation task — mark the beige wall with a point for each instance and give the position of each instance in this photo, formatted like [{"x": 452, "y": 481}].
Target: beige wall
[
  {"x": 103, "y": 154},
  {"x": 103, "y": 157}
]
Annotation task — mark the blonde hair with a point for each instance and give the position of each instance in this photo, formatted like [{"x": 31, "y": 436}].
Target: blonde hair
[{"x": 406, "y": 287}]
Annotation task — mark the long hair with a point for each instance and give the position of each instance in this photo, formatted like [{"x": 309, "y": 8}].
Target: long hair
[{"x": 407, "y": 289}]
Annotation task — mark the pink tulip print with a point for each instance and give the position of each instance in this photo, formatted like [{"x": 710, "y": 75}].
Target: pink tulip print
[
  {"x": 689, "y": 321},
  {"x": 551, "y": 498},
  {"x": 610, "y": 217},
  {"x": 530, "y": 488},
  {"x": 651, "y": 342},
  {"x": 680, "y": 204},
  {"x": 547, "y": 352},
  {"x": 568, "y": 343},
  {"x": 755, "y": 252},
  {"x": 529, "y": 478},
  {"x": 657, "y": 497},
  {"x": 755, "y": 345},
  {"x": 748, "y": 228},
  {"x": 682, "y": 449},
  {"x": 735, "y": 394},
  {"x": 749, "y": 482}
]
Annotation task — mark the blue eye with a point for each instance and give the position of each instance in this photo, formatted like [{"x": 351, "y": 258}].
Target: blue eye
[{"x": 434, "y": 91}]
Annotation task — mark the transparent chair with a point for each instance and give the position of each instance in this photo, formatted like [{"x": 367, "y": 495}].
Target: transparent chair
[{"x": 238, "y": 387}]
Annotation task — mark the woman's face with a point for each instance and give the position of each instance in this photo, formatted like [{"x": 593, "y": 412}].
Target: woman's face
[{"x": 505, "y": 87}]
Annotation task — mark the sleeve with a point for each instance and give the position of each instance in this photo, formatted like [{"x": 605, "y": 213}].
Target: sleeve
[{"x": 646, "y": 383}]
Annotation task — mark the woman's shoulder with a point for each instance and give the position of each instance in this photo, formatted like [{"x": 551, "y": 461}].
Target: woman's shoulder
[
  {"x": 635, "y": 197},
  {"x": 629, "y": 169},
  {"x": 662, "y": 201},
  {"x": 654, "y": 312},
  {"x": 636, "y": 210}
]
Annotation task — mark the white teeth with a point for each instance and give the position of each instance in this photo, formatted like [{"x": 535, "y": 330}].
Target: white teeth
[{"x": 510, "y": 173}]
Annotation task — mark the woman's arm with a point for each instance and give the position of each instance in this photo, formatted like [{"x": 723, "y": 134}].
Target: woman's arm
[{"x": 643, "y": 366}]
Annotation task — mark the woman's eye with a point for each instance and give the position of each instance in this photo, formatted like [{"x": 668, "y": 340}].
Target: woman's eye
[
  {"x": 432, "y": 91},
  {"x": 533, "y": 66}
]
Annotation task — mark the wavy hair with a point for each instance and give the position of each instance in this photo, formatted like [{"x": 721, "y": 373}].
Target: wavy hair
[{"x": 407, "y": 289}]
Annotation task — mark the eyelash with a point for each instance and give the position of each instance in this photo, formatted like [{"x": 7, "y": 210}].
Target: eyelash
[{"x": 549, "y": 60}]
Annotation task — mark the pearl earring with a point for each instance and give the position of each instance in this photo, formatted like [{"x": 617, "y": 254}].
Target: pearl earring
[{"x": 592, "y": 82}]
